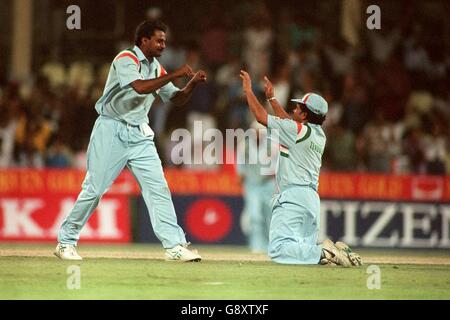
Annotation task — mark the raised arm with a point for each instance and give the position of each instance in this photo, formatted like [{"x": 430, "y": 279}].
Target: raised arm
[
  {"x": 151, "y": 85},
  {"x": 255, "y": 107},
  {"x": 182, "y": 96},
  {"x": 270, "y": 96}
]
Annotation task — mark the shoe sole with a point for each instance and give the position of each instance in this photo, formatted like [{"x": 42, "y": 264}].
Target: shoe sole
[
  {"x": 58, "y": 256},
  {"x": 179, "y": 260}
]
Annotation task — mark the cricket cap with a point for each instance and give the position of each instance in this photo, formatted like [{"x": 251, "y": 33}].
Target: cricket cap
[{"x": 314, "y": 103}]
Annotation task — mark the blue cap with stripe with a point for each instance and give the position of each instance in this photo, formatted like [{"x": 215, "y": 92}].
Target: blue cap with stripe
[{"x": 314, "y": 103}]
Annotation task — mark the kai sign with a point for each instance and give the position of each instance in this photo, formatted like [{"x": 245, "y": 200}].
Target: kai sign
[{"x": 39, "y": 218}]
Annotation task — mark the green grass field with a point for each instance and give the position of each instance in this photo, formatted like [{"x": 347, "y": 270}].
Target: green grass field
[{"x": 139, "y": 272}]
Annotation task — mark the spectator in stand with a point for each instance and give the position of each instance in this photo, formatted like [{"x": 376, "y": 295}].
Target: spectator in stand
[
  {"x": 340, "y": 56},
  {"x": 281, "y": 80},
  {"x": 302, "y": 32},
  {"x": 392, "y": 88},
  {"x": 8, "y": 124},
  {"x": 413, "y": 150},
  {"x": 32, "y": 135},
  {"x": 58, "y": 155},
  {"x": 257, "y": 47},
  {"x": 214, "y": 39},
  {"x": 258, "y": 179},
  {"x": 435, "y": 149},
  {"x": 340, "y": 151},
  {"x": 415, "y": 58},
  {"x": 379, "y": 142},
  {"x": 335, "y": 109},
  {"x": 306, "y": 65},
  {"x": 383, "y": 42},
  {"x": 355, "y": 99},
  {"x": 403, "y": 77}
]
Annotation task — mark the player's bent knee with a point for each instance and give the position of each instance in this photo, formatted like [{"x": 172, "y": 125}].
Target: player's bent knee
[{"x": 274, "y": 249}]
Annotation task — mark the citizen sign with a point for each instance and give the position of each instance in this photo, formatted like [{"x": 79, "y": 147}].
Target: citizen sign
[
  {"x": 386, "y": 224},
  {"x": 39, "y": 218}
]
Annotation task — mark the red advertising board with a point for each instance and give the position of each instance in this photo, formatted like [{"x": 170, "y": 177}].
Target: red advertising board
[
  {"x": 385, "y": 187},
  {"x": 38, "y": 218},
  {"x": 184, "y": 182},
  {"x": 33, "y": 203}
]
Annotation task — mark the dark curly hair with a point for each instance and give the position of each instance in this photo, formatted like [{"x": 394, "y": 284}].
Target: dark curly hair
[
  {"x": 147, "y": 28},
  {"x": 312, "y": 117}
]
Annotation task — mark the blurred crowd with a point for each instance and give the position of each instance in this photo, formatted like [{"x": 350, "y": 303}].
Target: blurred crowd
[{"x": 388, "y": 92}]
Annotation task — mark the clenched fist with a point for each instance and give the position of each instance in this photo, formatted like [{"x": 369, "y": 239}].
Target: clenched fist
[
  {"x": 200, "y": 76},
  {"x": 184, "y": 71}
]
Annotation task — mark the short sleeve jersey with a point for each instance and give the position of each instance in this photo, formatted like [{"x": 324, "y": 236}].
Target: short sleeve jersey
[
  {"x": 301, "y": 150},
  {"x": 119, "y": 100}
]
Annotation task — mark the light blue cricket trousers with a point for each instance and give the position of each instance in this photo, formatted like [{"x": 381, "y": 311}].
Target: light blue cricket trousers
[
  {"x": 257, "y": 198},
  {"x": 294, "y": 228},
  {"x": 114, "y": 145}
]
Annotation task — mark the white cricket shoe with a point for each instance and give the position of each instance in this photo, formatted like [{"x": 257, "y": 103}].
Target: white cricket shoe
[
  {"x": 182, "y": 253},
  {"x": 332, "y": 255},
  {"x": 66, "y": 252}
]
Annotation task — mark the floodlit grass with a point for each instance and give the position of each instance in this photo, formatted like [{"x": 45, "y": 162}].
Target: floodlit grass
[{"x": 46, "y": 277}]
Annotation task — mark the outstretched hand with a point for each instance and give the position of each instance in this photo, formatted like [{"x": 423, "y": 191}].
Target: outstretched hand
[
  {"x": 200, "y": 76},
  {"x": 246, "y": 81},
  {"x": 268, "y": 88}
]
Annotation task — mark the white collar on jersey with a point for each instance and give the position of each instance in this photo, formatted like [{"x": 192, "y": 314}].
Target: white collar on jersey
[{"x": 141, "y": 55}]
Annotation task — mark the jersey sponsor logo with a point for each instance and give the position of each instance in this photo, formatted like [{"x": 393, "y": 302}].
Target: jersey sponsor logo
[{"x": 315, "y": 147}]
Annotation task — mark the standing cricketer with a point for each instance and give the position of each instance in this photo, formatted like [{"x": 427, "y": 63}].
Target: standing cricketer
[
  {"x": 258, "y": 180},
  {"x": 122, "y": 137},
  {"x": 294, "y": 227}
]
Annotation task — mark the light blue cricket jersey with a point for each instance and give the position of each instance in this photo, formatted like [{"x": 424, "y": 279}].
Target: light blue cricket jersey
[
  {"x": 119, "y": 100},
  {"x": 301, "y": 150}
]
